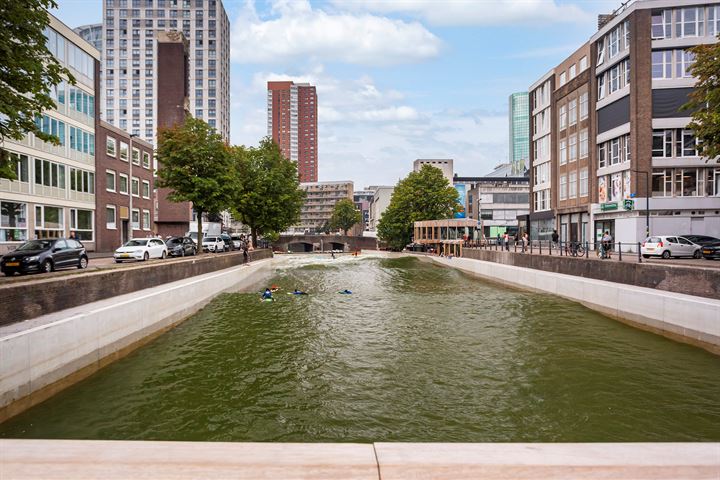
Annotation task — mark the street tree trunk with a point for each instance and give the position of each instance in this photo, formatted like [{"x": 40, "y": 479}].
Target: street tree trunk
[
  {"x": 199, "y": 230},
  {"x": 253, "y": 234}
]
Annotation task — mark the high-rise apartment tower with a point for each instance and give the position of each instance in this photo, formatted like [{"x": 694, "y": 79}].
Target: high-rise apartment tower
[
  {"x": 292, "y": 124},
  {"x": 129, "y": 82},
  {"x": 519, "y": 132}
]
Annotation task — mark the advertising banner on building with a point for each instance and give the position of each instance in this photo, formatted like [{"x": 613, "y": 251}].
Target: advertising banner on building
[{"x": 461, "y": 199}]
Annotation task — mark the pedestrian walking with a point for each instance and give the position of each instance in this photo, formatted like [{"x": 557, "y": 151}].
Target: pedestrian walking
[
  {"x": 506, "y": 241},
  {"x": 555, "y": 238},
  {"x": 525, "y": 241},
  {"x": 246, "y": 255}
]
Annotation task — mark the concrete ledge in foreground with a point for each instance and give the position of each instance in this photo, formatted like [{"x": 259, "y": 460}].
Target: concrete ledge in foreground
[{"x": 62, "y": 459}]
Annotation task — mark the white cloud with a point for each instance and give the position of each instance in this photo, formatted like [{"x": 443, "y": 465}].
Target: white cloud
[
  {"x": 473, "y": 12},
  {"x": 297, "y": 31}
]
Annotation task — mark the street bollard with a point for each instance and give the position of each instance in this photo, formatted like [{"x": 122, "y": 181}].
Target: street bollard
[
  {"x": 540, "y": 246},
  {"x": 620, "y": 251},
  {"x": 515, "y": 246},
  {"x": 587, "y": 249},
  {"x": 530, "y": 247},
  {"x": 639, "y": 254}
]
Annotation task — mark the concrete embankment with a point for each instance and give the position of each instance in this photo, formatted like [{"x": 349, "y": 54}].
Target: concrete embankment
[
  {"x": 61, "y": 459},
  {"x": 42, "y": 356},
  {"x": 687, "y": 318}
]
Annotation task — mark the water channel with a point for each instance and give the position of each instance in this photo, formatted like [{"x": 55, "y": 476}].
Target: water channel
[{"x": 416, "y": 353}]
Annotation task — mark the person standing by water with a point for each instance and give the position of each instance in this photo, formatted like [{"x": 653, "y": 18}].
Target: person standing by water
[
  {"x": 555, "y": 237},
  {"x": 525, "y": 242},
  {"x": 607, "y": 244},
  {"x": 506, "y": 241},
  {"x": 246, "y": 255}
]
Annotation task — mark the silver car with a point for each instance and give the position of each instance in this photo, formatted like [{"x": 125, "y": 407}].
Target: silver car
[{"x": 667, "y": 246}]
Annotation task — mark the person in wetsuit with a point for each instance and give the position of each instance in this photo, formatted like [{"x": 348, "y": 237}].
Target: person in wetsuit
[{"x": 267, "y": 294}]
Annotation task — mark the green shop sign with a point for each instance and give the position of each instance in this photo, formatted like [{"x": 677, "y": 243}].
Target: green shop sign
[
  {"x": 628, "y": 204},
  {"x": 604, "y": 207}
]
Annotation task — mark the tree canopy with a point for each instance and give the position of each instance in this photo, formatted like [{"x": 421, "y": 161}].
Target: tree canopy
[
  {"x": 28, "y": 72},
  {"x": 345, "y": 215},
  {"x": 196, "y": 165},
  {"x": 705, "y": 99},
  {"x": 422, "y": 195},
  {"x": 269, "y": 199}
]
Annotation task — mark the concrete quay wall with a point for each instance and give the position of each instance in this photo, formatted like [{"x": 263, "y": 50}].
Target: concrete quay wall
[
  {"x": 687, "y": 318},
  {"x": 42, "y": 356},
  {"x": 701, "y": 282},
  {"x": 107, "y": 460},
  {"x": 32, "y": 297}
]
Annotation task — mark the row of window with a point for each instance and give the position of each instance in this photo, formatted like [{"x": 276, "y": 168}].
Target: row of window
[
  {"x": 571, "y": 188},
  {"x": 78, "y": 100},
  {"x": 686, "y": 182},
  {"x": 675, "y": 142},
  {"x": 689, "y": 22},
  {"x": 569, "y": 151},
  {"x": 52, "y": 174},
  {"x": 80, "y": 140},
  {"x": 573, "y": 71},
  {"x": 541, "y": 173},
  {"x": 112, "y": 151},
  {"x": 49, "y": 222},
  {"x": 614, "y": 42},
  {"x": 614, "y": 151},
  {"x": 614, "y": 79},
  {"x": 162, "y": 3},
  {"x": 111, "y": 222},
  {"x": 69, "y": 53},
  {"x": 568, "y": 114},
  {"x": 667, "y": 64},
  {"x": 118, "y": 183},
  {"x": 541, "y": 200}
]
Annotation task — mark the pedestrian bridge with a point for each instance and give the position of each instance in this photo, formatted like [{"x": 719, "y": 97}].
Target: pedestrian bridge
[{"x": 323, "y": 243}]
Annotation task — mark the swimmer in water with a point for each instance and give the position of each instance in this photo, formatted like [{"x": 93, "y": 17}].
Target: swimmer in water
[
  {"x": 298, "y": 292},
  {"x": 345, "y": 292},
  {"x": 267, "y": 294}
]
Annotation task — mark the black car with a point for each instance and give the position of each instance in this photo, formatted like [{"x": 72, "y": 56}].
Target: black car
[
  {"x": 701, "y": 239},
  {"x": 181, "y": 246},
  {"x": 45, "y": 255},
  {"x": 711, "y": 251},
  {"x": 228, "y": 242}
]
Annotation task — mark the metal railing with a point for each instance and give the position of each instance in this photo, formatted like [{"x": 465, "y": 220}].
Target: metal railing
[{"x": 603, "y": 250}]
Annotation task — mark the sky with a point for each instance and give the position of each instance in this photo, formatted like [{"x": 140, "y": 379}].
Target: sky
[{"x": 396, "y": 79}]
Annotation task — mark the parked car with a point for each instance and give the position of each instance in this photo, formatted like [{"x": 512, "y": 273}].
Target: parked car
[
  {"x": 213, "y": 244},
  {"x": 701, "y": 239},
  {"x": 237, "y": 241},
  {"x": 180, "y": 246},
  {"x": 711, "y": 251},
  {"x": 45, "y": 255},
  {"x": 667, "y": 246},
  {"x": 141, "y": 249},
  {"x": 228, "y": 242}
]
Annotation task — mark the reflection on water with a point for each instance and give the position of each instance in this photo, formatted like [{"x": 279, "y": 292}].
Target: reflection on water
[{"x": 417, "y": 353}]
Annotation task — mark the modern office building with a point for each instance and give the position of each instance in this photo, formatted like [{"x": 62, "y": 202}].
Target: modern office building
[
  {"x": 574, "y": 151},
  {"x": 644, "y": 149},
  {"x": 519, "y": 121},
  {"x": 541, "y": 145},
  {"x": 497, "y": 199},
  {"x": 54, "y": 193},
  {"x": 444, "y": 164},
  {"x": 292, "y": 124},
  {"x": 320, "y": 200},
  {"x": 91, "y": 34},
  {"x": 363, "y": 199},
  {"x": 125, "y": 185},
  {"x": 130, "y": 61}
]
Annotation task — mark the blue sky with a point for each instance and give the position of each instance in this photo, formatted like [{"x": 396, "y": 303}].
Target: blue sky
[{"x": 396, "y": 79}]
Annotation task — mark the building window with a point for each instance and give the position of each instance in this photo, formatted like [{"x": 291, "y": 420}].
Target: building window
[
  {"x": 583, "y": 144},
  {"x": 562, "y": 79},
  {"x": 713, "y": 20},
  {"x": 683, "y": 141},
  {"x": 135, "y": 185},
  {"x": 563, "y": 187},
  {"x": 146, "y": 189},
  {"x": 123, "y": 184},
  {"x": 572, "y": 72},
  {"x": 614, "y": 42},
  {"x": 82, "y": 141},
  {"x": 146, "y": 219},
  {"x": 81, "y": 222},
  {"x": 614, "y": 151},
  {"x": 683, "y": 61},
  {"x": 584, "y": 106},
  {"x": 583, "y": 63},
  {"x": 572, "y": 185},
  {"x": 601, "y": 87},
  {"x": 110, "y": 146},
  {"x": 49, "y": 221},
  {"x": 563, "y": 152},
  {"x": 13, "y": 222},
  {"x": 123, "y": 151},
  {"x": 584, "y": 182},
  {"x": 572, "y": 112},
  {"x": 22, "y": 166},
  {"x": 689, "y": 22},
  {"x": 563, "y": 117},
  {"x": 146, "y": 160},
  {"x": 661, "y": 24},
  {"x": 49, "y": 174},
  {"x": 51, "y": 126},
  {"x": 110, "y": 181},
  {"x": 82, "y": 181},
  {"x": 572, "y": 148},
  {"x": 136, "y": 156}
]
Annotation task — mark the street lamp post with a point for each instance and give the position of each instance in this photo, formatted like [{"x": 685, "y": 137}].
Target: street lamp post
[
  {"x": 130, "y": 168},
  {"x": 647, "y": 200}
]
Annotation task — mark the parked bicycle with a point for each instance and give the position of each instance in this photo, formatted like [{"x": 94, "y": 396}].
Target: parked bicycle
[{"x": 574, "y": 249}]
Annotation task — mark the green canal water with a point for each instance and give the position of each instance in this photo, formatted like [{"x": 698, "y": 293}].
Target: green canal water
[{"x": 416, "y": 353}]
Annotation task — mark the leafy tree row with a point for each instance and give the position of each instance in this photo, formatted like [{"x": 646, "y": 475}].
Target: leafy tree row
[{"x": 257, "y": 184}]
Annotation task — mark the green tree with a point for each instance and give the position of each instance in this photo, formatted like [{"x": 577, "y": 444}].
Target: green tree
[
  {"x": 705, "y": 99},
  {"x": 423, "y": 195},
  {"x": 345, "y": 215},
  {"x": 28, "y": 72},
  {"x": 196, "y": 165},
  {"x": 270, "y": 198}
]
